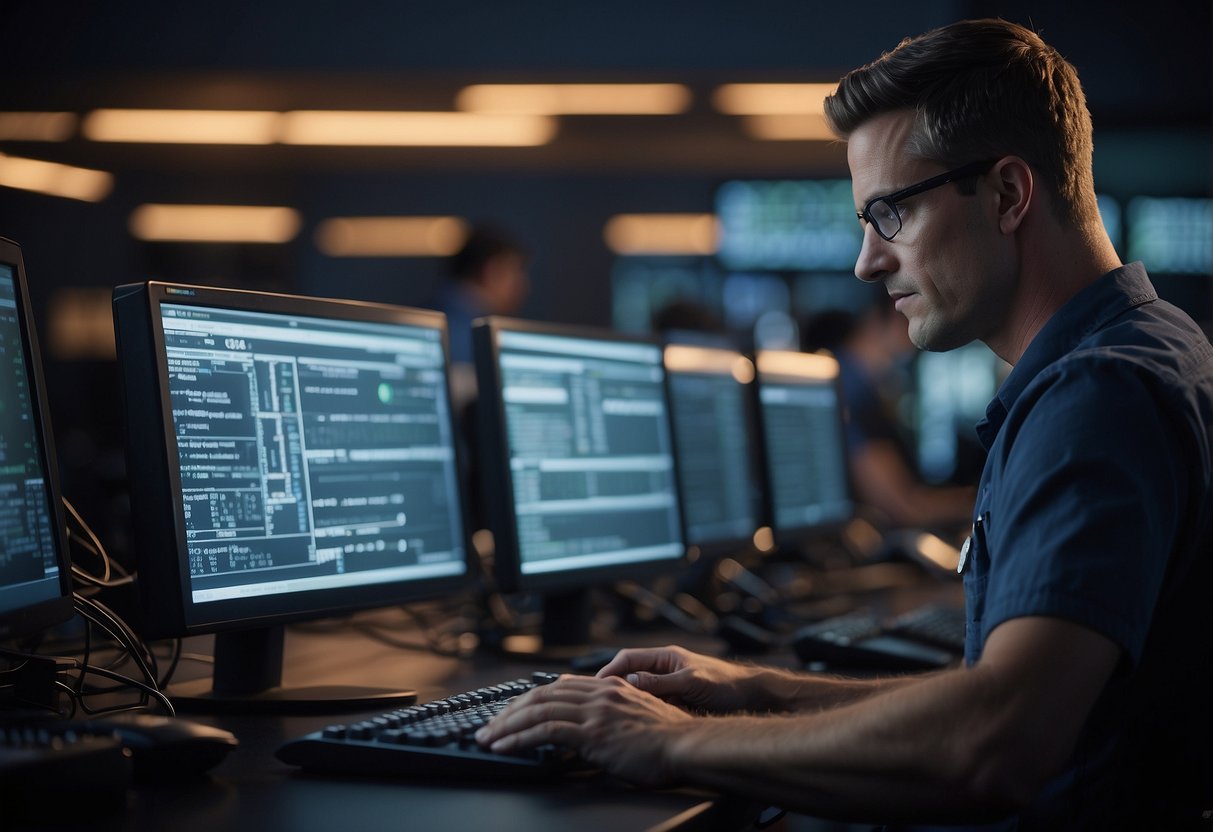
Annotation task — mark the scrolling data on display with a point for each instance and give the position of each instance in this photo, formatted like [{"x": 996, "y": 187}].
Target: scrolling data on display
[{"x": 290, "y": 437}]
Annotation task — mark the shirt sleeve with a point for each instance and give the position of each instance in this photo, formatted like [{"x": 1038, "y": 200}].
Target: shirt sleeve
[{"x": 1085, "y": 513}]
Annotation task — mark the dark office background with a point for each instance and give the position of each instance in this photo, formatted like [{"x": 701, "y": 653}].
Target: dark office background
[{"x": 1146, "y": 68}]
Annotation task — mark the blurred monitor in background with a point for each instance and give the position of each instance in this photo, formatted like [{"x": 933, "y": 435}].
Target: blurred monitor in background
[{"x": 873, "y": 351}]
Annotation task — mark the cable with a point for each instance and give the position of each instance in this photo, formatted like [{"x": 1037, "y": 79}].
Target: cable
[
  {"x": 94, "y": 581},
  {"x": 94, "y": 544},
  {"x": 99, "y": 614},
  {"x": 147, "y": 689}
]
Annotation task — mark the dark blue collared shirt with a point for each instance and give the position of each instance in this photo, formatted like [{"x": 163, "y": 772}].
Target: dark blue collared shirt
[{"x": 1094, "y": 507}]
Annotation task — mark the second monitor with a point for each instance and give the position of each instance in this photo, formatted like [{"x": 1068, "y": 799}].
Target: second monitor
[
  {"x": 290, "y": 458},
  {"x": 578, "y": 464}
]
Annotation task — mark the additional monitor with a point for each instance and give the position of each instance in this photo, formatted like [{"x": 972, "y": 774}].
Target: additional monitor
[
  {"x": 1171, "y": 235},
  {"x": 35, "y": 580},
  {"x": 718, "y": 457},
  {"x": 808, "y": 483},
  {"x": 951, "y": 392},
  {"x": 788, "y": 225},
  {"x": 642, "y": 288},
  {"x": 578, "y": 463},
  {"x": 290, "y": 458}
]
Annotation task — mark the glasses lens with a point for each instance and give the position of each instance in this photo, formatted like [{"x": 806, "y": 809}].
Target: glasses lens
[{"x": 885, "y": 217}]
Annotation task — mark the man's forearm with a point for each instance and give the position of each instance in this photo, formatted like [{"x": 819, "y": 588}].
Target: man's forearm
[{"x": 779, "y": 690}]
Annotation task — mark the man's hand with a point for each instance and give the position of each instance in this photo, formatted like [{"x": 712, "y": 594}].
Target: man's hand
[
  {"x": 608, "y": 722},
  {"x": 688, "y": 679}
]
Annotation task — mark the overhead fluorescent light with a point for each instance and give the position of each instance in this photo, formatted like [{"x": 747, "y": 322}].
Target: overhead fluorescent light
[
  {"x": 662, "y": 234},
  {"x": 37, "y": 127},
  {"x": 771, "y": 99},
  {"x": 417, "y": 129},
  {"x": 789, "y": 127},
  {"x": 686, "y": 359},
  {"x": 182, "y": 126},
  {"x": 214, "y": 223},
  {"x": 391, "y": 236},
  {"x": 797, "y": 364},
  {"x": 575, "y": 99},
  {"x": 54, "y": 179}
]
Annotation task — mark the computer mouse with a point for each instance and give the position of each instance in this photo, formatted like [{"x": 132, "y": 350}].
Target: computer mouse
[{"x": 168, "y": 747}]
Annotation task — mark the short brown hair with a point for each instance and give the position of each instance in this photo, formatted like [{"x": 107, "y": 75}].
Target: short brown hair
[{"x": 981, "y": 89}]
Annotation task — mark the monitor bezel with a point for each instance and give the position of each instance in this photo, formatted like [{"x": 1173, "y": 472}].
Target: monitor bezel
[
  {"x": 798, "y": 536},
  {"x": 716, "y": 548},
  {"x": 37, "y": 617},
  {"x": 497, "y": 480},
  {"x": 158, "y": 511}
]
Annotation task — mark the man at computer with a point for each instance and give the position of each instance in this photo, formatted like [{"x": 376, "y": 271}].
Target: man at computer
[{"x": 1084, "y": 699}]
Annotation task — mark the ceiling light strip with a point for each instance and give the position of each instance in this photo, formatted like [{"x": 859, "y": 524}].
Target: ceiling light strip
[
  {"x": 253, "y": 127},
  {"x": 214, "y": 223},
  {"x": 414, "y": 236},
  {"x": 414, "y": 129},
  {"x": 771, "y": 99},
  {"x": 662, "y": 234},
  {"x": 575, "y": 99},
  {"x": 54, "y": 179}
]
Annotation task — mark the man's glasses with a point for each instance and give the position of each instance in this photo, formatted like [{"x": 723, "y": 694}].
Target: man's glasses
[{"x": 882, "y": 211}]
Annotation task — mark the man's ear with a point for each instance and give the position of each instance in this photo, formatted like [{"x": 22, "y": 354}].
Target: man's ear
[{"x": 1015, "y": 185}]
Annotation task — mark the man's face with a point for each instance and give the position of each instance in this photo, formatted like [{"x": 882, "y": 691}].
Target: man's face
[{"x": 949, "y": 269}]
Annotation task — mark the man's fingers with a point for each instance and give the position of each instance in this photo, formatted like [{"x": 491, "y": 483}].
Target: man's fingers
[
  {"x": 632, "y": 660},
  {"x": 566, "y": 734}
]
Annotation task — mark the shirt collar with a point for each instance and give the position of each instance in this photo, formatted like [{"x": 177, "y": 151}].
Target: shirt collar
[{"x": 1090, "y": 310}]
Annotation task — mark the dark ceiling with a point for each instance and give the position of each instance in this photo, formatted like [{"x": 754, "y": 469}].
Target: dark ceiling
[{"x": 1142, "y": 65}]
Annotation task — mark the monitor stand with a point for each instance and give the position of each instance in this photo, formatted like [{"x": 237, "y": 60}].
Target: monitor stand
[
  {"x": 248, "y": 679},
  {"x": 565, "y": 635}
]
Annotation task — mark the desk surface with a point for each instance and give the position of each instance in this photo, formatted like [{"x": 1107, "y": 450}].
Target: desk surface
[{"x": 251, "y": 791}]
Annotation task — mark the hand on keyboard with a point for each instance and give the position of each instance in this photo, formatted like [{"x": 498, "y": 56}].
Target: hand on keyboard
[
  {"x": 429, "y": 739},
  {"x": 607, "y": 722}
]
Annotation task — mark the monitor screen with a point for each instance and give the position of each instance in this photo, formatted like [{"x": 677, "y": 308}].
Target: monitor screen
[
  {"x": 806, "y": 459},
  {"x": 710, "y": 401},
  {"x": 950, "y": 394},
  {"x": 578, "y": 455},
  {"x": 289, "y": 457},
  {"x": 788, "y": 225},
  {"x": 34, "y": 579},
  {"x": 1171, "y": 235}
]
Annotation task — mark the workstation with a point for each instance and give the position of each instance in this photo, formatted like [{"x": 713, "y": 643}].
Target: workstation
[{"x": 271, "y": 492}]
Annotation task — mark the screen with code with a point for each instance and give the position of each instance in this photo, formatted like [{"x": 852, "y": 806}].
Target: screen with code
[
  {"x": 29, "y": 571},
  {"x": 312, "y": 453},
  {"x": 708, "y": 397},
  {"x": 590, "y": 452},
  {"x": 806, "y": 450}
]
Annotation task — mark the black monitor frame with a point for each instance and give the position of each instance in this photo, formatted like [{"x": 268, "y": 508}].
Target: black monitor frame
[
  {"x": 31, "y": 619},
  {"x": 755, "y": 478},
  {"x": 497, "y": 479},
  {"x": 250, "y": 630},
  {"x": 824, "y": 368}
]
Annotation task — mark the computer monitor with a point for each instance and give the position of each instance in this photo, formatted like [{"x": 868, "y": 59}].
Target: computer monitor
[
  {"x": 35, "y": 575},
  {"x": 791, "y": 225},
  {"x": 808, "y": 480},
  {"x": 950, "y": 393},
  {"x": 719, "y": 465},
  {"x": 578, "y": 463},
  {"x": 290, "y": 458}
]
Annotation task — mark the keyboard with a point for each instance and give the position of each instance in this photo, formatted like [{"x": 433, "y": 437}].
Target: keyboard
[
  {"x": 928, "y": 637},
  {"x": 435, "y": 738},
  {"x": 935, "y": 624},
  {"x": 39, "y": 757}
]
